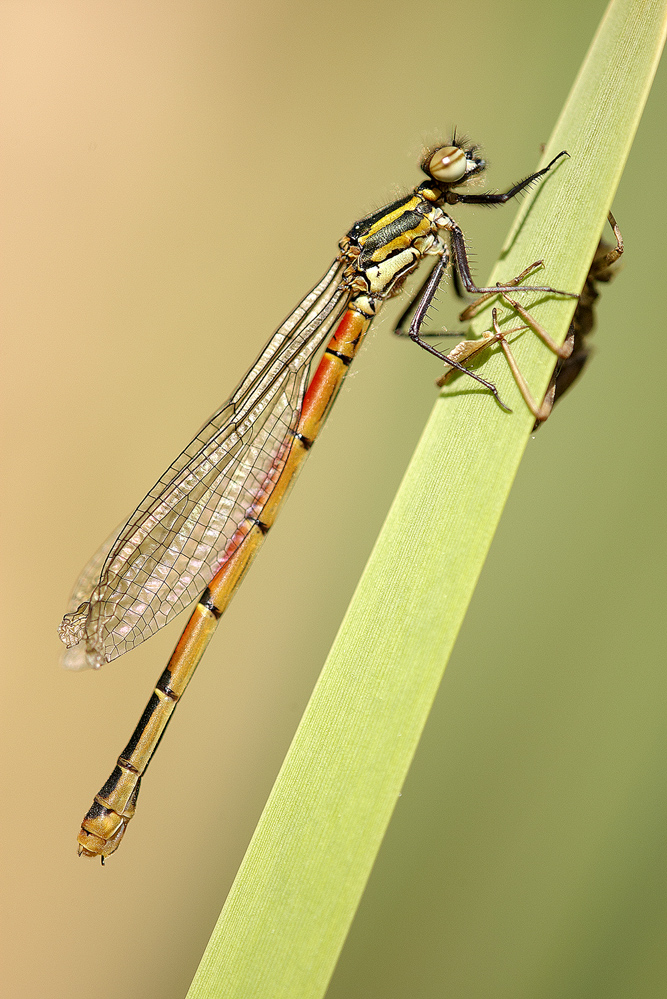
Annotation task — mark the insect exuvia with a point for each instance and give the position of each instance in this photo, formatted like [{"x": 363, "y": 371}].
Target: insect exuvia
[
  {"x": 603, "y": 268},
  {"x": 196, "y": 532}
]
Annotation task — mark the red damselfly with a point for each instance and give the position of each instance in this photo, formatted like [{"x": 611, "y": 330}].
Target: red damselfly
[{"x": 198, "y": 529}]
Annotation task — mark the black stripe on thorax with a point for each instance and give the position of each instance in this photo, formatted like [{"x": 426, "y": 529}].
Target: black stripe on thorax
[
  {"x": 363, "y": 226},
  {"x": 405, "y": 223}
]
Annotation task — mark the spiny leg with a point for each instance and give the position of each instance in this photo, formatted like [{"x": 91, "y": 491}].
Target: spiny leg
[
  {"x": 472, "y": 310},
  {"x": 411, "y": 307},
  {"x": 493, "y": 198},
  {"x": 418, "y": 319},
  {"x": 598, "y": 271},
  {"x": 463, "y": 267}
]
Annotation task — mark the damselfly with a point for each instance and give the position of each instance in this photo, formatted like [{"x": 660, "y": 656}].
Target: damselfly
[{"x": 198, "y": 529}]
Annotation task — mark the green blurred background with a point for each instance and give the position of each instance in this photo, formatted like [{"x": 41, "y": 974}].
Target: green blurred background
[{"x": 176, "y": 176}]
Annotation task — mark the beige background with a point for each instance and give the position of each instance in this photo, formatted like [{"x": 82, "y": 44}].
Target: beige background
[{"x": 176, "y": 176}]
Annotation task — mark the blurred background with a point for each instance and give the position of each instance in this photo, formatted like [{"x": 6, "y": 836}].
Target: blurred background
[{"x": 176, "y": 176}]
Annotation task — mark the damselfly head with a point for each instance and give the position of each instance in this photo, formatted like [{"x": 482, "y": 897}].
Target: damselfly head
[{"x": 452, "y": 164}]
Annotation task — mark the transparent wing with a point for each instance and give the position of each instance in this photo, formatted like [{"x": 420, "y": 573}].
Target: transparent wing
[{"x": 170, "y": 548}]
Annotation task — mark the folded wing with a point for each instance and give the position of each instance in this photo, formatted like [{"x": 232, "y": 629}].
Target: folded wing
[{"x": 169, "y": 549}]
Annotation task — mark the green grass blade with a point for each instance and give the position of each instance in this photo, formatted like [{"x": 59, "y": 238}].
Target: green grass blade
[{"x": 295, "y": 895}]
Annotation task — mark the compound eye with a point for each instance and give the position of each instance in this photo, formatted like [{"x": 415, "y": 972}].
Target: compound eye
[{"x": 447, "y": 165}]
